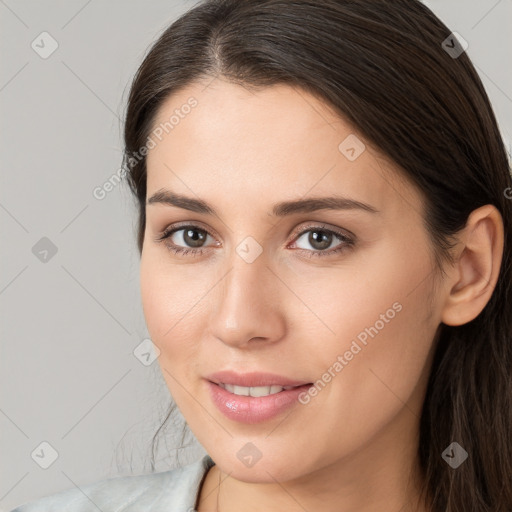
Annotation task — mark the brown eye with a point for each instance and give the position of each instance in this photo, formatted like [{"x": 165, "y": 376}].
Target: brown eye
[
  {"x": 192, "y": 236},
  {"x": 320, "y": 239},
  {"x": 188, "y": 239}
]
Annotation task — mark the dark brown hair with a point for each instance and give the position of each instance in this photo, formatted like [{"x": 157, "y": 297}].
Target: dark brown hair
[{"x": 384, "y": 68}]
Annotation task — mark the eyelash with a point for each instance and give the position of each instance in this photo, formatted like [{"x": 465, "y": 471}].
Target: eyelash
[{"x": 347, "y": 242}]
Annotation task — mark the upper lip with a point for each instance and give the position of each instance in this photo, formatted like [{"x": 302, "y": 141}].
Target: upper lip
[{"x": 253, "y": 379}]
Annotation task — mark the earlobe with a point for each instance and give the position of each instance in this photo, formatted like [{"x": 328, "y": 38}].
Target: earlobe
[{"x": 473, "y": 278}]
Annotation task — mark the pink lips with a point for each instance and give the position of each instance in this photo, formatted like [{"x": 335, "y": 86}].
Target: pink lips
[{"x": 248, "y": 409}]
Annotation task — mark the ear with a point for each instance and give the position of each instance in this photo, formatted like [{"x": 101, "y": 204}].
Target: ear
[{"x": 473, "y": 277}]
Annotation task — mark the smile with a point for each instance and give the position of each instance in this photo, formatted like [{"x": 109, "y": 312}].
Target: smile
[{"x": 256, "y": 391}]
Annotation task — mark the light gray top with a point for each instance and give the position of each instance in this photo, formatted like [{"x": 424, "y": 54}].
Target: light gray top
[{"x": 175, "y": 490}]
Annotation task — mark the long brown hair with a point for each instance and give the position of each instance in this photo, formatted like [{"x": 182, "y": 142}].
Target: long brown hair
[{"x": 394, "y": 71}]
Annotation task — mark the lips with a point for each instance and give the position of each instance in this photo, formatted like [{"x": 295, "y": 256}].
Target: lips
[
  {"x": 253, "y": 379},
  {"x": 250, "y": 409}
]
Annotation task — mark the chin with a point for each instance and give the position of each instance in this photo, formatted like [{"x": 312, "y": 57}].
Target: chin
[{"x": 267, "y": 469}]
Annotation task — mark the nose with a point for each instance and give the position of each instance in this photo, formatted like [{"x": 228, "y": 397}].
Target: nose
[{"x": 248, "y": 309}]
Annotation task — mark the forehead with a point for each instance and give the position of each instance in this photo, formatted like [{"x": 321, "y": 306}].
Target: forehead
[{"x": 266, "y": 146}]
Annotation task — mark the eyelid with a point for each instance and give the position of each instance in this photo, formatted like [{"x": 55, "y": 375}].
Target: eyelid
[
  {"x": 346, "y": 236},
  {"x": 166, "y": 232},
  {"x": 343, "y": 233},
  {"x": 296, "y": 232}
]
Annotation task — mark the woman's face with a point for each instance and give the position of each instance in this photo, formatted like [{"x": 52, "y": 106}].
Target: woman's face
[{"x": 337, "y": 297}]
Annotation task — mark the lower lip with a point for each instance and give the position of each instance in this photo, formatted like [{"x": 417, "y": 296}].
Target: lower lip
[{"x": 250, "y": 409}]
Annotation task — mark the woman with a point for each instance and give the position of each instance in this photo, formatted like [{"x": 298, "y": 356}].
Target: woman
[{"x": 324, "y": 229}]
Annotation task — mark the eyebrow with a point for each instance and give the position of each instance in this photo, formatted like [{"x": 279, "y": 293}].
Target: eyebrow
[{"x": 282, "y": 209}]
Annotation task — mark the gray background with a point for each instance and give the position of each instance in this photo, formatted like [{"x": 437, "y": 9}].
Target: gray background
[{"x": 71, "y": 323}]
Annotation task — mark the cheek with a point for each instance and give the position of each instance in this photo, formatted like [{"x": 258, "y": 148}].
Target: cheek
[
  {"x": 378, "y": 287},
  {"x": 379, "y": 316},
  {"x": 170, "y": 302},
  {"x": 174, "y": 302}
]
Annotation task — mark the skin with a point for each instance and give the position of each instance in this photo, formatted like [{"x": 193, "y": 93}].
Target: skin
[{"x": 353, "y": 446}]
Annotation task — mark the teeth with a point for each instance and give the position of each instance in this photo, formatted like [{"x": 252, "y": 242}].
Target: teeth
[{"x": 255, "y": 391}]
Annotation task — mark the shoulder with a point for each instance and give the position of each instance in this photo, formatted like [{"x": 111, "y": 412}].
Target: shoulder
[{"x": 176, "y": 489}]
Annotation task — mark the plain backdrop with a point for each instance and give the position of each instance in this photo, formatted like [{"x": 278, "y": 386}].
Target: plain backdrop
[{"x": 74, "y": 395}]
